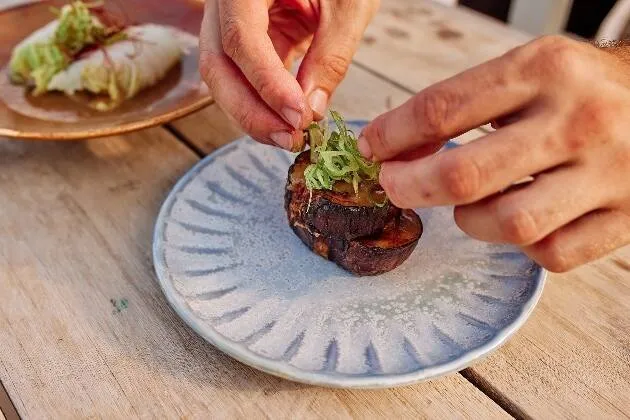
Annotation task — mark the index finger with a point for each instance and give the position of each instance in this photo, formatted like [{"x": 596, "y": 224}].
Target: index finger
[
  {"x": 244, "y": 25},
  {"x": 449, "y": 108}
]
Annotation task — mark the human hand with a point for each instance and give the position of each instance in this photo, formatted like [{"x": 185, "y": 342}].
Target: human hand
[
  {"x": 562, "y": 113},
  {"x": 248, "y": 46}
]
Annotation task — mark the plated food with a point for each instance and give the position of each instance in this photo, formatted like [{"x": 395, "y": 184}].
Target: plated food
[
  {"x": 87, "y": 49},
  {"x": 235, "y": 272},
  {"x": 335, "y": 205},
  {"x": 150, "y": 73}
]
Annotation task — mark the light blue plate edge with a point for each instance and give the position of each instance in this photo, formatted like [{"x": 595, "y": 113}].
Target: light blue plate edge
[{"x": 286, "y": 371}]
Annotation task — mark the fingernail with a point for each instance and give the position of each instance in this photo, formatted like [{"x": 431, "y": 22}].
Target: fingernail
[
  {"x": 318, "y": 101},
  {"x": 282, "y": 139},
  {"x": 364, "y": 147},
  {"x": 293, "y": 117}
]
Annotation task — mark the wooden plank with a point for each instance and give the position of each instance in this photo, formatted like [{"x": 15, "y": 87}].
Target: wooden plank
[
  {"x": 417, "y": 43},
  {"x": 75, "y": 241},
  {"x": 572, "y": 357}
]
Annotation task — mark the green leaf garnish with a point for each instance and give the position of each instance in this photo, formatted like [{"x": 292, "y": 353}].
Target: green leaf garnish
[
  {"x": 77, "y": 30},
  {"x": 335, "y": 157}
]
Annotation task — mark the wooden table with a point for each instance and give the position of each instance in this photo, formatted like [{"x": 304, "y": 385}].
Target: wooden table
[{"x": 76, "y": 223}]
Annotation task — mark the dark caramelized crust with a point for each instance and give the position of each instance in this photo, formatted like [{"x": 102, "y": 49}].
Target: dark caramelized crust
[
  {"x": 392, "y": 235},
  {"x": 368, "y": 256},
  {"x": 339, "y": 213}
]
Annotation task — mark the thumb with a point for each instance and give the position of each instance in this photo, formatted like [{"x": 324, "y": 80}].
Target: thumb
[{"x": 336, "y": 40}]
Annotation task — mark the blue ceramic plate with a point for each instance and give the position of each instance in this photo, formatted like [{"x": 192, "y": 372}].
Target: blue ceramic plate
[{"x": 234, "y": 271}]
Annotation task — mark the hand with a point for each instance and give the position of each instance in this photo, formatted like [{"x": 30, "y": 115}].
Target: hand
[
  {"x": 248, "y": 46},
  {"x": 562, "y": 113}
]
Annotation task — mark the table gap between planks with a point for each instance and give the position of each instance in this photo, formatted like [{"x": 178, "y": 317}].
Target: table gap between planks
[
  {"x": 75, "y": 238},
  {"x": 7, "y": 409}
]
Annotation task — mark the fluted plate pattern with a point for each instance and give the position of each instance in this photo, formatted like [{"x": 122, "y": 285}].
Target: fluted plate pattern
[{"x": 234, "y": 271}]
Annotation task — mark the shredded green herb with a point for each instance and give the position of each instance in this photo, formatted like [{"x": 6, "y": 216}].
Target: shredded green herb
[
  {"x": 78, "y": 29},
  {"x": 336, "y": 157},
  {"x": 38, "y": 63}
]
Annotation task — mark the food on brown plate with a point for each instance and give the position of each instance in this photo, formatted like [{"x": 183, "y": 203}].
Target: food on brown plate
[
  {"x": 88, "y": 49},
  {"x": 337, "y": 208}
]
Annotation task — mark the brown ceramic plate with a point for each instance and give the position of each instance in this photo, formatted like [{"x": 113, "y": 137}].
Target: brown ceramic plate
[{"x": 57, "y": 117}]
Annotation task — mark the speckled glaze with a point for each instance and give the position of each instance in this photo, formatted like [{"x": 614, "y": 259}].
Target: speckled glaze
[{"x": 234, "y": 271}]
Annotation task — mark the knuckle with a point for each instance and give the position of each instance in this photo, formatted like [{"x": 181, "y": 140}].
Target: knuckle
[
  {"x": 232, "y": 36},
  {"x": 512, "y": 63},
  {"x": 575, "y": 141},
  {"x": 518, "y": 54},
  {"x": 558, "y": 58},
  {"x": 596, "y": 112},
  {"x": 334, "y": 66},
  {"x": 263, "y": 81},
  {"x": 462, "y": 177},
  {"x": 592, "y": 127},
  {"x": 554, "y": 45},
  {"x": 518, "y": 226},
  {"x": 246, "y": 119},
  {"x": 432, "y": 109}
]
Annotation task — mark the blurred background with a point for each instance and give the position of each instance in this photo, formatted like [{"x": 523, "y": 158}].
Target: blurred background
[
  {"x": 599, "y": 19},
  {"x": 603, "y": 19}
]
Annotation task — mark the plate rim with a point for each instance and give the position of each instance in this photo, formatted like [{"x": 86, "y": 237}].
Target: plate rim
[
  {"x": 284, "y": 370},
  {"x": 85, "y": 134},
  {"x": 110, "y": 131}
]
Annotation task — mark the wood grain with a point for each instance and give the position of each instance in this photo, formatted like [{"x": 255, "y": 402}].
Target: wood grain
[
  {"x": 572, "y": 358},
  {"x": 75, "y": 235},
  {"x": 417, "y": 43}
]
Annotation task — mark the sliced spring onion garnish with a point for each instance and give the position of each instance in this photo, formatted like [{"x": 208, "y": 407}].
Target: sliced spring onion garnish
[{"x": 335, "y": 157}]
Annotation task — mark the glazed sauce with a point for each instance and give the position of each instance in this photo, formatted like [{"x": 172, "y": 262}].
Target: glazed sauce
[{"x": 370, "y": 192}]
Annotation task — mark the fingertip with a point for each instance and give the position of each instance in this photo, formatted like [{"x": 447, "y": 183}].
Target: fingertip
[
  {"x": 298, "y": 141},
  {"x": 462, "y": 215},
  {"x": 364, "y": 147},
  {"x": 318, "y": 102},
  {"x": 389, "y": 181},
  {"x": 293, "y": 141},
  {"x": 292, "y": 116},
  {"x": 283, "y": 139}
]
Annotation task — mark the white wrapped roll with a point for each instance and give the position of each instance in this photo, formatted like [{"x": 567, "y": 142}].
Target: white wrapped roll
[{"x": 124, "y": 68}]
